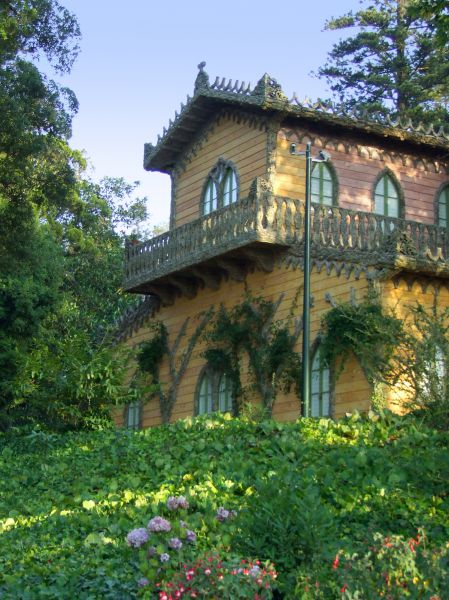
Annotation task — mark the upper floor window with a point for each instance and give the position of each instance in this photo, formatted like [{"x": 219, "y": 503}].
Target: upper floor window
[
  {"x": 387, "y": 200},
  {"x": 443, "y": 207},
  {"x": 221, "y": 187},
  {"x": 133, "y": 414},
  {"x": 214, "y": 393},
  {"x": 320, "y": 393},
  {"x": 323, "y": 184}
]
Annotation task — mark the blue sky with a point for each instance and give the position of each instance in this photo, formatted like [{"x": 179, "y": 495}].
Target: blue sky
[{"x": 139, "y": 59}]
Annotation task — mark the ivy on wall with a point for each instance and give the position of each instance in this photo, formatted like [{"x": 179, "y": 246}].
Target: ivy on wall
[
  {"x": 250, "y": 329},
  {"x": 364, "y": 330},
  {"x": 153, "y": 352}
]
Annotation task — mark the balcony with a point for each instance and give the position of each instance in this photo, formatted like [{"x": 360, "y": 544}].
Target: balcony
[{"x": 251, "y": 233}]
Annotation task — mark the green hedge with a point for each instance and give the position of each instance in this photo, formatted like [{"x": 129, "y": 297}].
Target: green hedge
[{"x": 303, "y": 491}]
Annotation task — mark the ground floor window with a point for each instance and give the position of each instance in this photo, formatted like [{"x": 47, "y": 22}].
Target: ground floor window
[
  {"x": 214, "y": 392},
  {"x": 133, "y": 415},
  {"x": 320, "y": 396}
]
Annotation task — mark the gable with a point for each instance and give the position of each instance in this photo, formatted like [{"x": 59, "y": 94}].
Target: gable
[{"x": 237, "y": 138}]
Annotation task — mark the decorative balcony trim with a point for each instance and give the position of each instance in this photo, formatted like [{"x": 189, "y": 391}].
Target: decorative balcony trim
[{"x": 264, "y": 221}]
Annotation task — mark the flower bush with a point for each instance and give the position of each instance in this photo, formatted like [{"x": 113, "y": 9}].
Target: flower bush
[
  {"x": 211, "y": 577},
  {"x": 169, "y": 560},
  {"x": 391, "y": 567}
]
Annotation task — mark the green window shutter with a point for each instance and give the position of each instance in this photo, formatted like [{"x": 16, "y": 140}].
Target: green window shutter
[
  {"x": 209, "y": 200},
  {"x": 133, "y": 415},
  {"x": 225, "y": 394},
  {"x": 320, "y": 396},
  {"x": 229, "y": 187},
  {"x": 322, "y": 185},
  {"x": 386, "y": 198},
  {"x": 205, "y": 399},
  {"x": 443, "y": 207}
]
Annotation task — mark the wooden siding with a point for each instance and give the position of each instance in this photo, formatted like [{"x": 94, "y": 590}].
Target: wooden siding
[
  {"x": 357, "y": 172},
  {"x": 243, "y": 145},
  {"x": 352, "y": 390}
]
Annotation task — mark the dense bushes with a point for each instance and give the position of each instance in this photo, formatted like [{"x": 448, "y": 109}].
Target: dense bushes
[{"x": 305, "y": 493}]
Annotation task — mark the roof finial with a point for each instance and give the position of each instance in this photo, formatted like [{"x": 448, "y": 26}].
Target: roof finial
[
  {"x": 269, "y": 90},
  {"x": 202, "y": 79}
]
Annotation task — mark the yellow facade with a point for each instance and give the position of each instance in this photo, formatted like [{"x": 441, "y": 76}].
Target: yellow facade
[
  {"x": 254, "y": 134},
  {"x": 352, "y": 390}
]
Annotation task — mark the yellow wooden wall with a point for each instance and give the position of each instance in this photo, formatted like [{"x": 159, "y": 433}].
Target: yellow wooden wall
[
  {"x": 243, "y": 144},
  {"x": 398, "y": 299},
  {"x": 352, "y": 391}
]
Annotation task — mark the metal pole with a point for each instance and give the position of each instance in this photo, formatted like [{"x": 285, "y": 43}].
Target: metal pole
[{"x": 306, "y": 295}]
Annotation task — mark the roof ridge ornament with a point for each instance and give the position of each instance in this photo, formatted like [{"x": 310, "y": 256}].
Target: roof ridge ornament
[
  {"x": 268, "y": 89},
  {"x": 202, "y": 79}
]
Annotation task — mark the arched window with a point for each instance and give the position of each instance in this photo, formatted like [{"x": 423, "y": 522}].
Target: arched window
[
  {"x": 133, "y": 415},
  {"x": 386, "y": 197},
  {"x": 225, "y": 394},
  {"x": 432, "y": 374},
  {"x": 205, "y": 396},
  {"x": 323, "y": 185},
  {"x": 320, "y": 393},
  {"x": 214, "y": 392},
  {"x": 443, "y": 207},
  {"x": 221, "y": 187}
]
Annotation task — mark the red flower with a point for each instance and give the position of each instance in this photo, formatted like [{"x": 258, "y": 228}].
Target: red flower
[
  {"x": 336, "y": 561},
  {"x": 343, "y": 589}
]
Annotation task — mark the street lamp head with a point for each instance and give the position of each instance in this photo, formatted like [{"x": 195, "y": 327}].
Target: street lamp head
[
  {"x": 292, "y": 148},
  {"x": 323, "y": 155}
]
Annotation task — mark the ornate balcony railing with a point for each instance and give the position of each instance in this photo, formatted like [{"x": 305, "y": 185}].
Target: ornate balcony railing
[{"x": 270, "y": 220}]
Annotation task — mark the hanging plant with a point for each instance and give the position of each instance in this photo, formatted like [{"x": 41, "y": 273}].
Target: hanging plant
[
  {"x": 249, "y": 328},
  {"x": 152, "y": 352},
  {"x": 365, "y": 331}
]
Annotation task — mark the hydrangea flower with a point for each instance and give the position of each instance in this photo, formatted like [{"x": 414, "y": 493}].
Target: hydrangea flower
[
  {"x": 164, "y": 557},
  {"x": 159, "y": 524},
  {"x": 175, "y": 543},
  {"x": 151, "y": 551},
  {"x": 190, "y": 536},
  {"x": 137, "y": 537},
  {"x": 223, "y": 514},
  {"x": 173, "y": 503},
  {"x": 143, "y": 581}
]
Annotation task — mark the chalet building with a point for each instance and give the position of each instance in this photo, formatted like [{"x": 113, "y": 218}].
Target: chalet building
[{"x": 379, "y": 215}]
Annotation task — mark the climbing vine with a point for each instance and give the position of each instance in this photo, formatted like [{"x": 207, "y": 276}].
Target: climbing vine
[
  {"x": 250, "y": 329},
  {"x": 364, "y": 330},
  {"x": 152, "y": 352}
]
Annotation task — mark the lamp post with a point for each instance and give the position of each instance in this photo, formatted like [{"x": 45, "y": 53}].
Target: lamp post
[{"x": 322, "y": 157}]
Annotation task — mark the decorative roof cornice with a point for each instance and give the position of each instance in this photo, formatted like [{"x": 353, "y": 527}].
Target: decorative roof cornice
[
  {"x": 135, "y": 317},
  {"x": 267, "y": 95}
]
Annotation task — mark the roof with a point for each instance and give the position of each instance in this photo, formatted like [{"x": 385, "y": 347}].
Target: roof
[{"x": 267, "y": 97}]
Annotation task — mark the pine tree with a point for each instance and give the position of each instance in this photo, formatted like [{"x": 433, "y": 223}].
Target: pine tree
[
  {"x": 393, "y": 64},
  {"x": 436, "y": 11}
]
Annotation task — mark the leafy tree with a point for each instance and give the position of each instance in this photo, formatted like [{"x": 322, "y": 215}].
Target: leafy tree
[
  {"x": 61, "y": 244},
  {"x": 37, "y": 176},
  {"x": 392, "y": 64},
  {"x": 436, "y": 11}
]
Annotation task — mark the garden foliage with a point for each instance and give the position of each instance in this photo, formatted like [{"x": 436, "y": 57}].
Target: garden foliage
[{"x": 333, "y": 505}]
